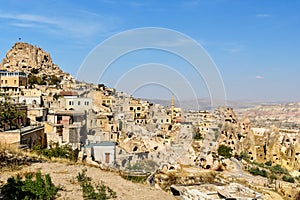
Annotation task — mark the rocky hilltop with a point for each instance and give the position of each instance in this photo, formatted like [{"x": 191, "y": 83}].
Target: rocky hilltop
[{"x": 33, "y": 61}]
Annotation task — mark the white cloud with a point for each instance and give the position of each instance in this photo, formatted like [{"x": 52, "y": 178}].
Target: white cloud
[
  {"x": 263, "y": 15},
  {"x": 84, "y": 25},
  {"x": 259, "y": 77},
  {"x": 23, "y": 25},
  {"x": 233, "y": 47}
]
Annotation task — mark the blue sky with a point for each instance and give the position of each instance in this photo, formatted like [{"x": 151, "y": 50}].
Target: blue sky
[{"x": 255, "y": 44}]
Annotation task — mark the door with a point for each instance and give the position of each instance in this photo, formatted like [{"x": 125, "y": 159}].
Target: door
[{"x": 107, "y": 158}]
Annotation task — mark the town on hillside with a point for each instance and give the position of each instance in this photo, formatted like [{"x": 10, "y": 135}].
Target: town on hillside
[{"x": 176, "y": 149}]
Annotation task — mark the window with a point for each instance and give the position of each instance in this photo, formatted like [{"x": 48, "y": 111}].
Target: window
[
  {"x": 138, "y": 108},
  {"x": 79, "y": 103},
  {"x": 15, "y": 81},
  {"x": 5, "y": 81},
  {"x": 70, "y": 103},
  {"x": 87, "y": 103},
  {"x": 131, "y": 108}
]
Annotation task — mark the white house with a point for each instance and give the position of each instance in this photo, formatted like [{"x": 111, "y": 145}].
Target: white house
[
  {"x": 77, "y": 103},
  {"x": 103, "y": 152}
]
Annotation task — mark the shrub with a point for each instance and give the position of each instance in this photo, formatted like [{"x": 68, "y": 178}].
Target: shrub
[
  {"x": 273, "y": 177},
  {"x": 288, "y": 178},
  {"x": 54, "y": 80},
  {"x": 224, "y": 151},
  {"x": 88, "y": 191},
  {"x": 277, "y": 169},
  {"x": 32, "y": 80},
  {"x": 256, "y": 171},
  {"x": 56, "y": 151},
  {"x": 82, "y": 177},
  {"x": 135, "y": 179},
  {"x": 40, "y": 188},
  {"x": 245, "y": 156},
  {"x": 268, "y": 163},
  {"x": 259, "y": 164}
]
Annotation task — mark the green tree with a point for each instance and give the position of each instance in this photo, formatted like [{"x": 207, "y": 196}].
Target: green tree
[
  {"x": 10, "y": 114},
  {"x": 39, "y": 187},
  {"x": 225, "y": 151},
  {"x": 54, "y": 80}
]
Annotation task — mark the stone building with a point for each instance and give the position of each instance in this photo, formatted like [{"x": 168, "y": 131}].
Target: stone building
[{"x": 12, "y": 81}]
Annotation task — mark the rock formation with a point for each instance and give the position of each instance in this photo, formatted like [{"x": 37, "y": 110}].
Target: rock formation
[
  {"x": 280, "y": 146},
  {"x": 32, "y": 60}
]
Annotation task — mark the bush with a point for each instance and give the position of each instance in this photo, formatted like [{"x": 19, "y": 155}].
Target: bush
[
  {"x": 259, "y": 164},
  {"x": 135, "y": 179},
  {"x": 288, "y": 178},
  {"x": 277, "y": 169},
  {"x": 268, "y": 163},
  {"x": 224, "y": 151},
  {"x": 54, "y": 80},
  {"x": 56, "y": 151},
  {"x": 245, "y": 156},
  {"x": 34, "y": 71},
  {"x": 142, "y": 165},
  {"x": 88, "y": 191},
  {"x": 32, "y": 80},
  {"x": 273, "y": 177},
  {"x": 40, "y": 188},
  {"x": 256, "y": 171}
]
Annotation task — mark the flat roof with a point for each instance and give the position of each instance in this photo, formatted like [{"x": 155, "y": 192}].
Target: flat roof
[{"x": 103, "y": 143}]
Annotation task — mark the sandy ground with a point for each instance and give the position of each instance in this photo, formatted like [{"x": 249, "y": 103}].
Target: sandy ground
[{"x": 65, "y": 175}]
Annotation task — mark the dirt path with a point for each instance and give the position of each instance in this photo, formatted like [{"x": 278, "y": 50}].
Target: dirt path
[{"x": 65, "y": 175}]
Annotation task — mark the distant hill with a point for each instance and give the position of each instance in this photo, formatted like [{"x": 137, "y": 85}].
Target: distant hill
[{"x": 205, "y": 103}]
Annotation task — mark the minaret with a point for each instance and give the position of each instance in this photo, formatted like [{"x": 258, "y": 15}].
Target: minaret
[{"x": 172, "y": 110}]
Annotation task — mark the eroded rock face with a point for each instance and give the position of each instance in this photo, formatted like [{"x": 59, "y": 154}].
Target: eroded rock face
[
  {"x": 230, "y": 130},
  {"x": 280, "y": 146},
  {"x": 31, "y": 60}
]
